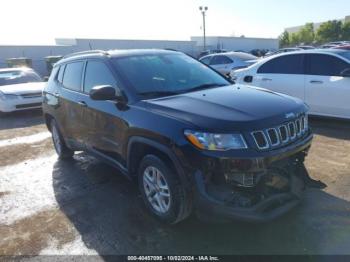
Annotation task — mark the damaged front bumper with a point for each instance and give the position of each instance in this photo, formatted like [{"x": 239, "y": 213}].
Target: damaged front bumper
[{"x": 236, "y": 204}]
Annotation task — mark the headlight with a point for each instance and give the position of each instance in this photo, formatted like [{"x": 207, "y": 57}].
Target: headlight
[
  {"x": 306, "y": 122},
  {"x": 7, "y": 97},
  {"x": 215, "y": 142}
]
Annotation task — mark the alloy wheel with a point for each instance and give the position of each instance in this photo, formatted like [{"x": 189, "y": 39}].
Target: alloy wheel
[{"x": 156, "y": 189}]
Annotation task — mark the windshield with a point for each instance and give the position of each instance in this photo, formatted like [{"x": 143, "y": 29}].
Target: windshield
[
  {"x": 246, "y": 57},
  {"x": 346, "y": 55},
  {"x": 166, "y": 74},
  {"x": 18, "y": 77}
]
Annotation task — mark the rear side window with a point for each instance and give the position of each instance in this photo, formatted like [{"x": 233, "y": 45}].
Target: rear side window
[
  {"x": 72, "y": 75},
  {"x": 287, "y": 64},
  {"x": 325, "y": 65},
  {"x": 220, "y": 60},
  {"x": 96, "y": 74}
]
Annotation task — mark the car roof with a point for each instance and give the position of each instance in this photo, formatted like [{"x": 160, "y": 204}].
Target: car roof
[
  {"x": 114, "y": 53},
  {"x": 325, "y": 51},
  {"x": 229, "y": 54},
  {"x": 314, "y": 51}
]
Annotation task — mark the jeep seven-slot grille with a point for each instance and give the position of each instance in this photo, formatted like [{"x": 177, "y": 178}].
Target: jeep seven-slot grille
[{"x": 281, "y": 135}]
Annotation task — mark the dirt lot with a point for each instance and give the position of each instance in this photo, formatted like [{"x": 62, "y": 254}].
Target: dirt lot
[{"x": 85, "y": 207}]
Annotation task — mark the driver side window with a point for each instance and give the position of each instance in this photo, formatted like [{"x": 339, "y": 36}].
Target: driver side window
[{"x": 96, "y": 74}]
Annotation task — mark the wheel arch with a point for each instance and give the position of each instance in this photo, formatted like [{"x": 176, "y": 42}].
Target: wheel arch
[{"x": 138, "y": 147}]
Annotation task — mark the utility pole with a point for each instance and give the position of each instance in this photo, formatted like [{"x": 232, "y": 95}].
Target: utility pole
[{"x": 203, "y": 10}]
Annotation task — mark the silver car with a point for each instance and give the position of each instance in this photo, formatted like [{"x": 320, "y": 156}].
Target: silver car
[{"x": 226, "y": 62}]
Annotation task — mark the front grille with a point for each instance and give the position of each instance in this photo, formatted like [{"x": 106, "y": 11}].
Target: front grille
[
  {"x": 28, "y": 105},
  {"x": 281, "y": 135},
  {"x": 32, "y": 95},
  {"x": 260, "y": 139},
  {"x": 283, "y": 131}
]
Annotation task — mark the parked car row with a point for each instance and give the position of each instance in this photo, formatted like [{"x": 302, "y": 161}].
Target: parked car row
[{"x": 319, "y": 77}]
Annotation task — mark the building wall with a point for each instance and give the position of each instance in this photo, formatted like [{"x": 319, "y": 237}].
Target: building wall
[
  {"x": 36, "y": 53},
  {"x": 65, "y": 46},
  {"x": 237, "y": 43}
]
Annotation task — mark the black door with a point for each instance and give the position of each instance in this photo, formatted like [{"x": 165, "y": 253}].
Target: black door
[
  {"x": 102, "y": 118},
  {"x": 70, "y": 81}
]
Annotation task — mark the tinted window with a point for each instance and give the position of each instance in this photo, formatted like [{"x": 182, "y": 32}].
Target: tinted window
[
  {"x": 345, "y": 54},
  {"x": 326, "y": 65},
  {"x": 72, "y": 75},
  {"x": 206, "y": 60},
  {"x": 18, "y": 77},
  {"x": 245, "y": 56},
  {"x": 60, "y": 74},
  {"x": 287, "y": 64},
  {"x": 96, "y": 74},
  {"x": 154, "y": 75},
  {"x": 220, "y": 60}
]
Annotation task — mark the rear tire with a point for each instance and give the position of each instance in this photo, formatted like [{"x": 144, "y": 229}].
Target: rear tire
[
  {"x": 61, "y": 148},
  {"x": 163, "y": 193}
]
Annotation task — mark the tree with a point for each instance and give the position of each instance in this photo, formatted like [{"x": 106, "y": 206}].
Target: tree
[
  {"x": 284, "y": 39},
  {"x": 306, "y": 34},
  {"x": 346, "y": 31},
  {"x": 294, "y": 39},
  {"x": 329, "y": 31}
]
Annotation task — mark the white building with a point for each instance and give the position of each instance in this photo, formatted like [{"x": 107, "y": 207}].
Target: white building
[
  {"x": 65, "y": 46},
  {"x": 231, "y": 43}
]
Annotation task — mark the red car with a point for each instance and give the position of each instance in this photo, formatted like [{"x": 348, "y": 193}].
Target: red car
[{"x": 346, "y": 47}]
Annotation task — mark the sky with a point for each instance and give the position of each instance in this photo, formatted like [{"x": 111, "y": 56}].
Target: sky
[{"x": 41, "y": 21}]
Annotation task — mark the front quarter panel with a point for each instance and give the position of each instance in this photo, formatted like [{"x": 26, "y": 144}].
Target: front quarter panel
[{"x": 139, "y": 121}]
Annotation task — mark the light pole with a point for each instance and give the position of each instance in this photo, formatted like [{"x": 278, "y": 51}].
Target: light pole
[{"x": 203, "y": 11}]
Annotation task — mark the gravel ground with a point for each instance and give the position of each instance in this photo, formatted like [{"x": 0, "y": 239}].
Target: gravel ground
[{"x": 86, "y": 207}]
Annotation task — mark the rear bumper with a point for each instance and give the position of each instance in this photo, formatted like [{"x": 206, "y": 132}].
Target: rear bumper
[{"x": 265, "y": 210}]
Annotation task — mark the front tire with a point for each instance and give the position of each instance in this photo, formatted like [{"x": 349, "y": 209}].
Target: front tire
[
  {"x": 60, "y": 146},
  {"x": 162, "y": 191}
]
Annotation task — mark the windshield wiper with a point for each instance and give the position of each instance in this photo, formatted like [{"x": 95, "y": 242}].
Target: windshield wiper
[
  {"x": 158, "y": 93},
  {"x": 206, "y": 86}
]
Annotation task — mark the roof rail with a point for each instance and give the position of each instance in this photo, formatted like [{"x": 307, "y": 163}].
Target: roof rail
[{"x": 86, "y": 53}]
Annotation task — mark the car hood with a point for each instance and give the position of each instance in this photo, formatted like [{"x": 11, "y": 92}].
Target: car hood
[
  {"x": 24, "y": 88},
  {"x": 229, "y": 108}
]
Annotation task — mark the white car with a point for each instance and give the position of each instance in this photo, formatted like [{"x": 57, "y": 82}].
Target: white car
[
  {"x": 225, "y": 62},
  {"x": 319, "y": 77},
  {"x": 20, "y": 89}
]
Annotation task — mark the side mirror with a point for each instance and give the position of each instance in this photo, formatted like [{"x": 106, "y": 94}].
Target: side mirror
[
  {"x": 103, "y": 93},
  {"x": 345, "y": 73},
  {"x": 248, "y": 79}
]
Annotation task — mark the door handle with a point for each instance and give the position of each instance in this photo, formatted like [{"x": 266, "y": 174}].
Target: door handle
[
  {"x": 82, "y": 103},
  {"x": 266, "y": 79},
  {"x": 56, "y": 95},
  {"x": 316, "y": 82}
]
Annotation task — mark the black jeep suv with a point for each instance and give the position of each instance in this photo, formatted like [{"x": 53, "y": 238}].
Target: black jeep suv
[{"x": 191, "y": 139}]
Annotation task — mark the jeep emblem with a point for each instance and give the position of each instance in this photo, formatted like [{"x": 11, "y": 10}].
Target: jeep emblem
[{"x": 290, "y": 115}]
